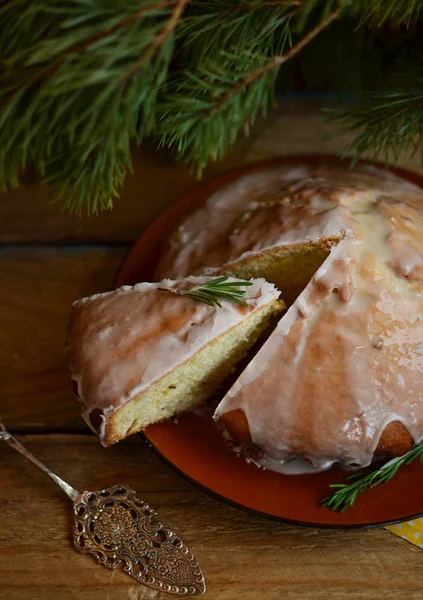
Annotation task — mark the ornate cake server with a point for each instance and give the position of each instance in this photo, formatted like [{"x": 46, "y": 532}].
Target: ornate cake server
[{"x": 118, "y": 529}]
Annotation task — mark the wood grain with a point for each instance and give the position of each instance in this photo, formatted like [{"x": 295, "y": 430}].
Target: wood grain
[
  {"x": 38, "y": 286},
  {"x": 155, "y": 183},
  {"x": 243, "y": 556},
  {"x": 294, "y": 127}
]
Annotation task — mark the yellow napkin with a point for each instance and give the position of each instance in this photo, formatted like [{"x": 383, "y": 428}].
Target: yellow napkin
[{"x": 412, "y": 531}]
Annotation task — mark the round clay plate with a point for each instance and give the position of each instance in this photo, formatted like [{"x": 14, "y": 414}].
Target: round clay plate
[{"x": 196, "y": 450}]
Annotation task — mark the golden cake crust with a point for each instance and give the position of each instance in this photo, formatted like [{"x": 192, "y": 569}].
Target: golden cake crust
[{"x": 394, "y": 441}]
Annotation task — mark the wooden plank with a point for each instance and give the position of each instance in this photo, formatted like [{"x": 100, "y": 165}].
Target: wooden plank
[
  {"x": 155, "y": 183},
  {"x": 38, "y": 286},
  {"x": 243, "y": 556},
  {"x": 295, "y": 127}
]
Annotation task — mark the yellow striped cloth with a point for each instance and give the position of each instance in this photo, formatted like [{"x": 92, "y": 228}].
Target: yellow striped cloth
[{"x": 412, "y": 531}]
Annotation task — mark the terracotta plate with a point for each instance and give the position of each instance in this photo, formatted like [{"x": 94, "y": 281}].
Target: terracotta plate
[{"x": 194, "y": 448}]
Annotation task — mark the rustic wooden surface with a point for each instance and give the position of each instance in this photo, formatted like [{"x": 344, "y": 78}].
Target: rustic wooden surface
[
  {"x": 243, "y": 556},
  {"x": 38, "y": 286},
  {"x": 48, "y": 259}
]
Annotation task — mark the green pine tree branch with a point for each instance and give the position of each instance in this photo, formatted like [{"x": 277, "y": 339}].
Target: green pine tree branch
[
  {"x": 73, "y": 100},
  {"x": 82, "y": 80},
  {"x": 208, "y": 106},
  {"x": 390, "y": 124},
  {"x": 275, "y": 62},
  {"x": 218, "y": 26},
  {"x": 156, "y": 44},
  {"x": 398, "y": 11}
]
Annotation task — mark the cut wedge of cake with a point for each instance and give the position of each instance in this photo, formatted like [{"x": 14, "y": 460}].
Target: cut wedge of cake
[{"x": 142, "y": 354}]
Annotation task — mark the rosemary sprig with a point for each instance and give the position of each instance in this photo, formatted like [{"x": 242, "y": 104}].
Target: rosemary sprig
[
  {"x": 210, "y": 291},
  {"x": 347, "y": 493}
]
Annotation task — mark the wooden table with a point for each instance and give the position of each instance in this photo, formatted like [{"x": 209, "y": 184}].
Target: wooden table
[{"x": 47, "y": 260}]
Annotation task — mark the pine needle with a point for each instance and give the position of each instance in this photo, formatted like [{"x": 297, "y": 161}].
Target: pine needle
[
  {"x": 397, "y": 11},
  {"x": 79, "y": 84},
  {"x": 386, "y": 123},
  {"x": 347, "y": 493}
]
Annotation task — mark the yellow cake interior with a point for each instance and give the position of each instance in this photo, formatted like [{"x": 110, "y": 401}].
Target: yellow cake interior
[
  {"x": 290, "y": 268},
  {"x": 194, "y": 381}
]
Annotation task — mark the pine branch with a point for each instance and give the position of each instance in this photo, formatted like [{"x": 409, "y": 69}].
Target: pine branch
[
  {"x": 73, "y": 100},
  {"x": 347, "y": 493},
  {"x": 207, "y": 106},
  {"x": 379, "y": 12},
  {"x": 387, "y": 124},
  {"x": 160, "y": 39},
  {"x": 276, "y": 61},
  {"x": 79, "y": 47},
  {"x": 213, "y": 28},
  {"x": 83, "y": 79}
]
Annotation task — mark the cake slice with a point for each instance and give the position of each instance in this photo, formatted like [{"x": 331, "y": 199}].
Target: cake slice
[{"x": 142, "y": 354}]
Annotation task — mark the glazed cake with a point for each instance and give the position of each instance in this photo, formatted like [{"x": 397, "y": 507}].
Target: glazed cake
[
  {"x": 274, "y": 224},
  {"x": 341, "y": 377},
  {"x": 141, "y": 354}
]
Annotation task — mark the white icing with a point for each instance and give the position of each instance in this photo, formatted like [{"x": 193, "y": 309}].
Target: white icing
[
  {"x": 270, "y": 208},
  {"x": 296, "y": 466}
]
